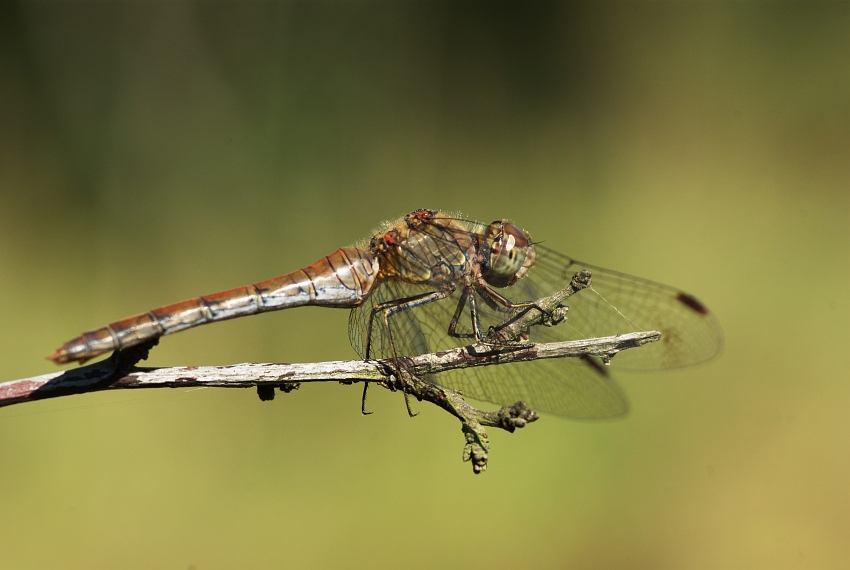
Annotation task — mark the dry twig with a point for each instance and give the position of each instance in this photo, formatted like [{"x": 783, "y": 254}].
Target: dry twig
[{"x": 120, "y": 372}]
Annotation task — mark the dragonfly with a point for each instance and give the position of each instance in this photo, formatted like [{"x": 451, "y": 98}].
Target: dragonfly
[{"x": 432, "y": 281}]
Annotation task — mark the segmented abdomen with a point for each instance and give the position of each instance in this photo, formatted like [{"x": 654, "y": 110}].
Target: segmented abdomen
[{"x": 343, "y": 279}]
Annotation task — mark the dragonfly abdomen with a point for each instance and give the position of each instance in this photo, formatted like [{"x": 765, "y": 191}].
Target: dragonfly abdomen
[{"x": 343, "y": 279}]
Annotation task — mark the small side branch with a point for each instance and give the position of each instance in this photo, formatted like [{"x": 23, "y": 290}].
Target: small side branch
[
  {"x": 120, "y": 372},
  {"x": 548, "y": 311}
]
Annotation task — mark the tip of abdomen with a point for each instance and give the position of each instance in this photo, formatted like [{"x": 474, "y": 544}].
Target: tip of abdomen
[
  {"x": 62, "y": 356},
  {"x": 83, "y": 348},
  {"x": 57, "y": 357}
]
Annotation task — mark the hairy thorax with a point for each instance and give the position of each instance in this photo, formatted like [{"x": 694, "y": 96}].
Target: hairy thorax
[{"x": 427, "y": 247}]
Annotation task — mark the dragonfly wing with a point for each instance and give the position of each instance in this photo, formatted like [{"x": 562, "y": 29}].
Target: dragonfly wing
[
  {"x": 618, "y": 303},
  {"x": 615, "y": 303},
  {"x": 574, "y": 388},
  {"x": 411, "y": 329},
  {"x": 569, "y": 387}
]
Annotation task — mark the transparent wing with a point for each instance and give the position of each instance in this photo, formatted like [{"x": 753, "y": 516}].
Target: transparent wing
[
  {"x": 415, "y": 331},
  {"x": 617, "y": 303},
  {"x": 577, "y": 388},
  {"x": 567, "y": 387}
]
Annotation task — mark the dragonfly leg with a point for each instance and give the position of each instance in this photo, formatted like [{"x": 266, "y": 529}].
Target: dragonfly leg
[
  {"x": 483, "y": 288},
  {"x": 468, "y": 297},
  {"x": 363, "y": 400},
  {"x": 407, "y": 404},
  {"x": 491, "y": 298},
  {"x": 387, "y": 310},
  {"x": 456, "y": 317},
  {"x": 495, "y": 296},
  {"x": 392, "y": 307}
]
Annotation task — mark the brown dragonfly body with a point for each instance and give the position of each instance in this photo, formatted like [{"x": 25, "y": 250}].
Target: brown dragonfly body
[
  {"x": 425, "y": 247},
  {"x": 338, "y": 280}
]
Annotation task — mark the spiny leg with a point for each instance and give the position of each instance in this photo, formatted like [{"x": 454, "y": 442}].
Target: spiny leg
[
  {"x": 492, "y": 299},
  {"x": 389, "y": 309},
  {"x": 368, "y": 355},
  {"x": 483, "y": 288},
  {"x": 492, "y": 296},
  {"x": 363, "y": 400},
  {"x": 468, "y": 297},
  {"x": 461, "y": 303},
  {"x": 392, "y": 309}
]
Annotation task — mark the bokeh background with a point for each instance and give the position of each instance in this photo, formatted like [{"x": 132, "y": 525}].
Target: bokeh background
[{"x": 152, "y": 152}]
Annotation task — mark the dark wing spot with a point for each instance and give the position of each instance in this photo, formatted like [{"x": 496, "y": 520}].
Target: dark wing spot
[{"x": 692, "y": 303}]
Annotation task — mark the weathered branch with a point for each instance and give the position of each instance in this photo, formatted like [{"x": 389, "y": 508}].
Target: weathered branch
[
  {"x": 93, "y": 377},
  {"x": 120, "y": 372}
]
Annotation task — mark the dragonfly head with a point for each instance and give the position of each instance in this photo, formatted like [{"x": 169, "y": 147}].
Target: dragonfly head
[{"x": 508, "y": 254}]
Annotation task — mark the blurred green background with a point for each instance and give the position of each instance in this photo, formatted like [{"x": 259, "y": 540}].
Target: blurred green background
[{"x": 152, "y": 152}]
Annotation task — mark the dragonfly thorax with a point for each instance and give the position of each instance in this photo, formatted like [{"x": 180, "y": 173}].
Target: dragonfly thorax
[{"x": 507, "y": 254}]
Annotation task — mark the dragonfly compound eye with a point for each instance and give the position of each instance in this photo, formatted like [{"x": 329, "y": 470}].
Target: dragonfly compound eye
[{"x": 511, "y": 255}]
